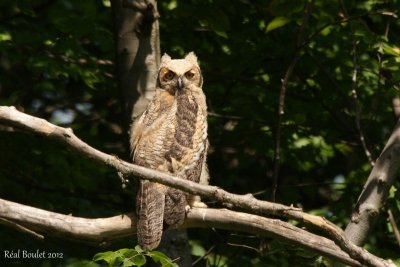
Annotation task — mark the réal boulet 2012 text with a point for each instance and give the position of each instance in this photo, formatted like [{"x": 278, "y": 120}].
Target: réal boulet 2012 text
[{"x": 37, "y": 254}]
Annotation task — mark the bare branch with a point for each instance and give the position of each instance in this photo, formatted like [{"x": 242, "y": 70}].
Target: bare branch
[
  {"x": 376, "y": 190},
  {"x": 282, "y": 94},
  {"x": 103, "y": 231},
  {"x": 11, "y": 116},
  {"x": 20, "y": 228},
  {"x": 392, "y": 222},
  {"x": 354, "y": 90}
]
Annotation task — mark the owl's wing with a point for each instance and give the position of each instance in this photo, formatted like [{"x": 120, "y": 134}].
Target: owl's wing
[
  {"x": 151, "y": 133},
  {"x": 145, "y": 120}
]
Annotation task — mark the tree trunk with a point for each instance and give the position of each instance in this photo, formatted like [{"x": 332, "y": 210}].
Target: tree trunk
[
  {"x": 137, "y": 43},
  {"x": 137, "y": 40}
]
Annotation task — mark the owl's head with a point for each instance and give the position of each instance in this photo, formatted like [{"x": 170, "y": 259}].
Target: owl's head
[{"x": 179, "y": 74}]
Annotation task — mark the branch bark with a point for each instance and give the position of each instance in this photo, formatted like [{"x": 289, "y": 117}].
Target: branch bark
[
  {"x": 376, "y": 190},
  {"x": 12, "y": 117},
  {"x": 103, "y": 231}
]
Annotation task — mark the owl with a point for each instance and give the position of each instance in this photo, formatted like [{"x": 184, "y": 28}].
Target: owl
[{"x": 171, "y": 137}]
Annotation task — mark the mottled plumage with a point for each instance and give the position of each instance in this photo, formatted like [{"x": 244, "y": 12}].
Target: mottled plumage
[{"x": 170, "y": 136}]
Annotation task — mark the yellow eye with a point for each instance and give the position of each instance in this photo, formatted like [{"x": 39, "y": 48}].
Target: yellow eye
[
  {"x": 169, "y": 75},
  {"x": 189, "y": 75}
]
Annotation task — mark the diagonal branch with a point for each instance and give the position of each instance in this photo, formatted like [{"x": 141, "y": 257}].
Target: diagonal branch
[
  {"x": 103, "y": 231},
  {"x": 12, "y": 117},
  {"x": 376, "y": 190},
  {"x": 354, "y": 89}
]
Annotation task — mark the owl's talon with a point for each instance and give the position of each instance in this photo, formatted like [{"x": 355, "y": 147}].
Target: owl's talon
[
  {"x": 199, "y": 204},
  {"x": 187, "y": 208}
]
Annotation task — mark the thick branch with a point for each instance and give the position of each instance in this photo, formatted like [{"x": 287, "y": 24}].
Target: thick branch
[
  {"x": 105, "y": 230},
  {"x": 11, "y": 116},
  {"x": 376, "y": 190}
]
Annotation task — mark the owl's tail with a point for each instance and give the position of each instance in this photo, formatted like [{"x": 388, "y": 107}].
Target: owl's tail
[{"x": 150, "y": 202}]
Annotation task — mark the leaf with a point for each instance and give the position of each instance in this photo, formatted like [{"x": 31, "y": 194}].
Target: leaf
[
  {"x": 277, "y": 23},
  {"x": 391, "y": 50},
  {"x": 197, "y": 249},
  {"x": 158, "y": 256},
  {"x": 217, "y": 20},
  {"x": 138, "y": 249},
  {"x": 139, "y": 260},
  {"x": 107, "y": 256},
  {"x": 128, "y": 263},
  {"x": 5, "y": 36}
]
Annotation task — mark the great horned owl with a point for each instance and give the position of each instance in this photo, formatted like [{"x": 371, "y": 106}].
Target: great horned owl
[{"x": 170, "y": 136}]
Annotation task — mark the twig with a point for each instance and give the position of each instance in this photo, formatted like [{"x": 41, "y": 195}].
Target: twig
[
  {"x": 281, "y": 103},
  {"x": 205, "y": 255},
  {"x": 20, "y": 12},
  {"x": 392, "y": 222},
  {"x": 354, "y": 91},
  {"x": 21, "y": 228},
  {"x": 343, "y": 20},
  {"x": 243, "y": 246},
  {"x": 11, "y": 116},
  {"x": 213, "y": 114}
]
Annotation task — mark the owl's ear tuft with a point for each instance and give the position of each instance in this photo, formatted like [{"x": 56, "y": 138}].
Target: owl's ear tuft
[
  {"x": 165, "y": 59},
  {"x": 192, "y": 58}
]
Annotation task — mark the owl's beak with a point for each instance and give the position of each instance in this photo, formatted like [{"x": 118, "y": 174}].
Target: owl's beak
[{"x": 180, "y": 83}]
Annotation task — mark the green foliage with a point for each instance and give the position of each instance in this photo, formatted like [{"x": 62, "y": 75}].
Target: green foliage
[
  {"x": 133, "y": 257},
  {"x": 277, "y": 22}
]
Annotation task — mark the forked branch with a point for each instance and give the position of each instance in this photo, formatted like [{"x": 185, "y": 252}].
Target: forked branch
[
  {"x": 103, "y": 231},
  {"x": 12, "y": 117}
]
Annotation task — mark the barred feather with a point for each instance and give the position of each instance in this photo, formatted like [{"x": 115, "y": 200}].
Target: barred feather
[{"x": 170, "y": 136}]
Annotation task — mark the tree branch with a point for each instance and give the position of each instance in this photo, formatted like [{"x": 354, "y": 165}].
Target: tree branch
[
  {"x": 376, "y": 190},
  {"x": 103, "y": 231},
  {"x": 11, "y": 116},
  {"x": 354, "y": 89},
  {"x": 281, "y": 102}
]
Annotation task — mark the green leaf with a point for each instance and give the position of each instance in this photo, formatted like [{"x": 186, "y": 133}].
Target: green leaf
[
  {"x": 277, "y": 23},
  {"x": 391, "y": 50},
  {"x": 197, "y": 249},
  {"x": 217, "y": 20},
  {"x": 128, "y": 263},
  {"x": 138, "y": 249},
  {"x": 139, "y": 260},
  {"x": 128, "y": 252},
  {"x": 5, "y": 36},
  {"x": 107, "y": 256},
  {"x": 158, "y": 256}
]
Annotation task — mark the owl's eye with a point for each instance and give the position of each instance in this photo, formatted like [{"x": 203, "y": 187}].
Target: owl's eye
[
  {"x": 189, "y": 75},
  {"x": 169, "y": 75}
]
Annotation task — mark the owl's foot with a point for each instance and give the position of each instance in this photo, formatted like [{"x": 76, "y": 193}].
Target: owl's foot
[
  {"x": 195, "y": 201},
  {"x": 198, "y": 204}
]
